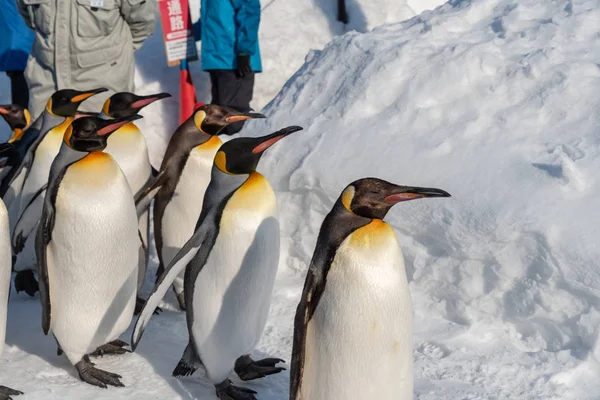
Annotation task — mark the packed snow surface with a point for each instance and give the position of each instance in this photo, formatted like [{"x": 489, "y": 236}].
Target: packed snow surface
[{"x": 495, "y": 101}]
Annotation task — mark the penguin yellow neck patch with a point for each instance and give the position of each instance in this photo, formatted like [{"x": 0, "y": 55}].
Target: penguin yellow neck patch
[
  {"x": 211, "y": 144},
  {"x": 374, "y": 234},
  {"x": 62, "y": 127}
]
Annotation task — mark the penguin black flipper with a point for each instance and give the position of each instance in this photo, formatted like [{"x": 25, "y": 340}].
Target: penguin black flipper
[
  {"x": 27, "y": 221},
  {"x": 203, "y": 239},
  {"x": 337, "y": 226},
  {"x": 43, "y": 237},
  {"x": 145, "y": 195}
]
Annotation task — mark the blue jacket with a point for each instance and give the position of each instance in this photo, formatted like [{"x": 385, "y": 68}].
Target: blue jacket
[
  {"x": 15, "y": 38},
  {"x": 229, "y": 27}
]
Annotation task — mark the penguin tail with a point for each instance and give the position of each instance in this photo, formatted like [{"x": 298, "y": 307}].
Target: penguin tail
[{"x": 188, "y": 364}]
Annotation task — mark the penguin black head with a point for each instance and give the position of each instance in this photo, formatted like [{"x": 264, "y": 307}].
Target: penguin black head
[
  {"x": 212, "y": 119},
  {"x": 124, "y": 104},
  {"x": 64, "y": 103},
  {"x": 373, "y": 197},
  {"x": 91, "y": 133},
  {"x": 16, "y": 116},
  {"x": 241, "y": 155}
]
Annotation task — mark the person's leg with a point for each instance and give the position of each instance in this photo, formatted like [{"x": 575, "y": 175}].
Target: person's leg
[
  {"x": 233, "y": 91},
  {"x": 18, "y": 88},
  {"x": 214, "y": 84}
]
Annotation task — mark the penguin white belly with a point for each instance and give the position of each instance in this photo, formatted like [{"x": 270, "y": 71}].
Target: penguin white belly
[
  {"x": 183, "y": 210},
  {"x": 5, "y": 265},
  {"x": 359, "y": 340},
  {"x": 232, "y": 293},
  {"x": 92, "y": 256}
]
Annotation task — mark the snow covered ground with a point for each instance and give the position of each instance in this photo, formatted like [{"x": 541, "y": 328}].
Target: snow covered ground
[{"x": 495, "y": 101}]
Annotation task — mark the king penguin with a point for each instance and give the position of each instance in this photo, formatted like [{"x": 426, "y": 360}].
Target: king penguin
[
  {"x": 12, "y": 175},
  {"x": 18, "y": 119},
  {"x": 353, "y": 330},
  {"x": 231, "y": 262},
  {"x": 128, "y": 147},
  {"x": 60, "y": 111},
  {"x": 86, "y": 246},
  {"x": 182, "y": 180},
  {"x": 5, "y": 267}
]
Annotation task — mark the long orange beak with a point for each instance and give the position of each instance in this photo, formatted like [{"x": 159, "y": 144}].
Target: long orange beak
[
  {"x": 243, "y": 117},
  {"x": 86, "y": 95}
]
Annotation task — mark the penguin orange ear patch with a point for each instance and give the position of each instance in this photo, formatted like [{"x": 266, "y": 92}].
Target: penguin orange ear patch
[
  {"x": 67, "y": 135},
  {"x": 347, "y": 196},
  {"x": 199, "y": 119},
  {"x": 266, "y": 144},
  {"x": 3, "y": 111},
  {"x": 221, "y": 161}
]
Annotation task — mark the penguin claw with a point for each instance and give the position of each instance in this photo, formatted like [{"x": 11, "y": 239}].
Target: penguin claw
[
  {"x": 114, "y": 347},
  {"x": 248, "y": 369},
  {"x": 97, "y": 377},
  {"x": 25, "y": 281},
  {"x": 6, "y": 392},
  {"x": 227, "y": 391}
]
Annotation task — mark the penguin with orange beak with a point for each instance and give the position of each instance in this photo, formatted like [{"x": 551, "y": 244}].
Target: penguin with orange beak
[
  {"x": 230, "y": 264},
  {"x": 86, "y": 247},
  {"x": 353, "y": 333}
]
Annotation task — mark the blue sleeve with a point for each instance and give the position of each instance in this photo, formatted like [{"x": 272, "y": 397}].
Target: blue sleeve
[{"x": 247, "y": 19}]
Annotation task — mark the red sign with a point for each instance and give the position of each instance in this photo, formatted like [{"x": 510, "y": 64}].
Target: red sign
[{"x": 177, "y": 31}]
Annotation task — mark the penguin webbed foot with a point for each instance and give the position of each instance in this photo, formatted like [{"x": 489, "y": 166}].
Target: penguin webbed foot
[
  {"x": 139, "y": 306},
  {"x": 247, "y": 368},
  {"x": 97, "y": 377},
  {"x": 227, "y": 391},
  {"x": 6, "y": 392},
  {"x": 25, "y": 281},
  {"x": 114, "y": 347}
]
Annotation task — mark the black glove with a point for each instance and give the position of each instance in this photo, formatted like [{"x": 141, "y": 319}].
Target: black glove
[{"x": 243, "y": 65}]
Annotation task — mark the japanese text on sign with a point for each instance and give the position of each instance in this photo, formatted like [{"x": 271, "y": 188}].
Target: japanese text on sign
[{"x": 177, "y": 31}]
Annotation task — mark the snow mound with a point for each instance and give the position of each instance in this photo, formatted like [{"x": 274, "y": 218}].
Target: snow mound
[{"x": 496, "y": 102}]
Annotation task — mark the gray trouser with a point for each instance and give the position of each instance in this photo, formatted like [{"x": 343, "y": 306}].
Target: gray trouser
[{"x": 229, "y": 90}]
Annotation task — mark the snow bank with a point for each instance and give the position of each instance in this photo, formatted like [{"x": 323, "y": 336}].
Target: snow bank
[{"x": 496, "y": 102}]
